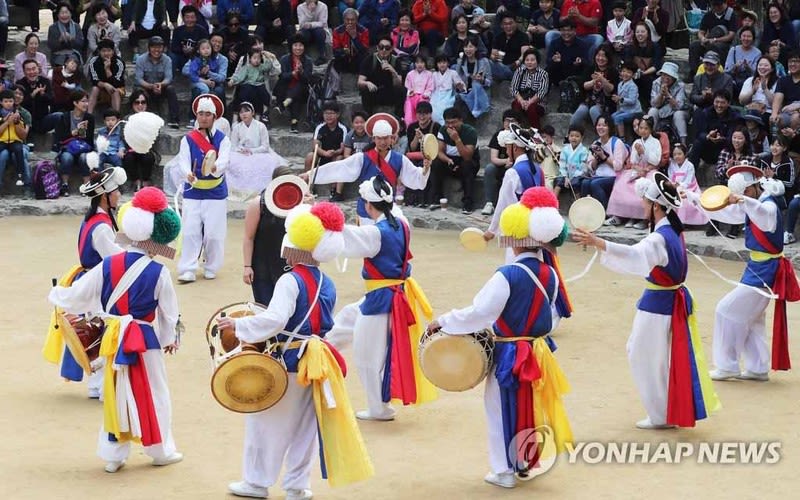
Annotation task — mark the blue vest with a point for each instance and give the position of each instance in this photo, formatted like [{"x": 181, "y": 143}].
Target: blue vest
[
  {"x": 674, "y": 273},
  {"x": 326, "y": 303},
  {"x": 87, "y": 255},
  {"x": 529, "y": 175},
  {"x": 523, "y": 292},
  {"x": 387, "y": 264},
  {"x": 196, "y": 157},
  {"x": 758, "y": 273},
  {"x": 370, "y": 170}
]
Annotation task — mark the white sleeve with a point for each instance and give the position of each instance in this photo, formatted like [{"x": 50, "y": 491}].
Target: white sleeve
[
  {"x": 507, "y": 196},
  {"x": 184, "y": 157},
  {"x": 485, "y": 309},
  {"x": 84, "y": 294},
  {"x": 763, "y": 215},
  {"x": 263, "y": 140},
  {"x": 223, "y": 157},
  {"x": 361, "y": 241},
  {"x": 346, "y": 170},
  {"x": 732, "y": 214},
  {"x": 271, "y": 322},
  {"x": 103, "y": 241},
  {"x": 638, "y": 259},
  {"x": 167, "y": 312},
  {"x": 652, "y": 152},
  {"x": 411, "y": 176}
]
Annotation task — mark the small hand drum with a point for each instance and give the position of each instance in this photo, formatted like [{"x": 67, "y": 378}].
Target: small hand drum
[
  {"x": 472, "y": 240},
  {"x": 587, "y": 214},
  {"x": 715, "y": 198},
  {"x": 208, "y": 162},
  {"x": 430, "y": 146},
  {"x": 456, "y": 363}
]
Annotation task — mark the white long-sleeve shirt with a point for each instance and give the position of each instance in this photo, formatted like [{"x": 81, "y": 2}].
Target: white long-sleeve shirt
[
  {"x": 638, "y": 259},
  {"x": 486, "y": 307},
  {"x": 317, "y": 18},
  {"x": 509, "y": 189},
  {"x": 273, "y": 320},
  {"x": 255, "y": 137},
  {"x": 103, "y": 239},
  {"x": 763, "y": 215},
  {"x": 349, "y": 169},
  {"x": 223, "y": 157},
  {"x": 652, "y": 152},
  {"x": 84, "y": 295}
]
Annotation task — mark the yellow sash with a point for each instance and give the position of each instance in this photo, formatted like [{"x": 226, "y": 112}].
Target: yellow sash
[
  {"x": 653, "y": 286},
  {"x": 418, "y": 302},
  {"x": 54, "y": 342},
  {"x": 757, "y": 256},
  {"x": 108, "y": 350},
  {"x": 346, "y": 457},
  {"x": 548, "y": 407},
  {"x": 207, "y": 183}
]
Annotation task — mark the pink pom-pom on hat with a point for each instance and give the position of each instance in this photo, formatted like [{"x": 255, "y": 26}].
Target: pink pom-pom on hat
[
  {"x": 539, "y": 197},
  {"x": 330, "y": 214},
  {"x": 150, "y": 199}
]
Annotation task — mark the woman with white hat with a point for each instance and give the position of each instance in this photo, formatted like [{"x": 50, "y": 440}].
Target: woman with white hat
[
  {"x": 668, "y": 100},
  {"x": 664, "y": 350}
]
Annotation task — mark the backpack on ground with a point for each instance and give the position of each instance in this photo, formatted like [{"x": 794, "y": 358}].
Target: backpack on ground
[
  {"x": 46, "y": 183},
  {"x": 570, "y": 96}
]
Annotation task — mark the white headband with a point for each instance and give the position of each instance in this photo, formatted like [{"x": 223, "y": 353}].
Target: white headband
[
  {"x": 367, "y": 191},
  {"x": 381, "y": 129},
  {"x": 206, "y": 104}
]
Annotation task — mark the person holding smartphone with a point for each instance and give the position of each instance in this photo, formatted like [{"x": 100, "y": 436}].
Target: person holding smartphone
[
  {"x": 475, "y": 71},
  {"x": 73, "y": 138}
]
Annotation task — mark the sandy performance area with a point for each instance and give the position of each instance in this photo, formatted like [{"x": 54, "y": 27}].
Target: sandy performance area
[{"x": 48, "y": 428}]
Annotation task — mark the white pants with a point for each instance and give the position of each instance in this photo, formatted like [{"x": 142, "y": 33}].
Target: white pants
[
  {"x": 95, "y": 382},
  {"x": 286, "y": 432},
  {"x": 204, "y": 223},
  {"x": 739, "y": 331},
  {"x": 649, "y": 356},
  {"x": 112, "y": 451},
  {"x": 498, "y": 454}
]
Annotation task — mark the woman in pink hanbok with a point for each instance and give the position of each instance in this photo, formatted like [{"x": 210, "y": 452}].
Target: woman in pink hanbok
[{"x": 681, "y": 173}]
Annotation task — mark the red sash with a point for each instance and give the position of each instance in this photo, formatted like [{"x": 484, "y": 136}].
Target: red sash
[
  {"x": 388, "y": 172},
  {"x": 526, "y": 367},
  {"x": 315, "y": 318},
  {"x": 403, "y": 384},
  {"x": 133, "y": 342},
  {"x": 786, "y": 288},
  {"x": 94, "y": 221}
]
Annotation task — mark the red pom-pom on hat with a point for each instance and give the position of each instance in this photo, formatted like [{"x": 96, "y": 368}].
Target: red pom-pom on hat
[
  {"x": 536, "y": 197},
  {"x": 150, "y": 199},
  {"x": 331, "y": 215}
]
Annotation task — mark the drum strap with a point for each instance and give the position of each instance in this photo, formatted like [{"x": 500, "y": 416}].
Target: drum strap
[
  {"x": 536, "y": 280},
  {"x": 294, "y": 334}
]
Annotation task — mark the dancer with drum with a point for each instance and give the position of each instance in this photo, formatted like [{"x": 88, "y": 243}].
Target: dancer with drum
[
  {"x": 141, "y": 312},
  {"x": 95, "y": 242},
  {"x": 297, "y": 319},
  {"x": 517, "y": 301},
  {"x": 379, "y": 160},
  {"x": 664, "y": 350},
  {"x": 524, "y": 174},
  {"x": 203, "y": 158},
  {"x": 385, "y": 326},
  {"x": 739, "y": 327}
]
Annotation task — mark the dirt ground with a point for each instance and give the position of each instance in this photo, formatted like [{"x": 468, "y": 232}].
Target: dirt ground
[{"x": 48, "y": 428}]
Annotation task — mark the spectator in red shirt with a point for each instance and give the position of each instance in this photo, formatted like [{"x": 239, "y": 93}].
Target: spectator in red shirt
[
  {"x": 431, "y": 18},
  {"x": 587, "y": 16},
  {"x": 350, "y": 43}
]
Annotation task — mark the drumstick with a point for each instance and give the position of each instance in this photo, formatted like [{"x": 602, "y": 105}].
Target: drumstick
[
  {"x": 55, "y": 308},
  {"x": 313, "y": 171}
]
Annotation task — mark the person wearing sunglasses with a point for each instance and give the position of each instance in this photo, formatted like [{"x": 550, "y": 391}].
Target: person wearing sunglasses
[
  {"x": 379, "y": 80},
  {"x": 244, "y": 9},
  {"x": 139, "y": 167},
  {"x": 235, "y": 38}
]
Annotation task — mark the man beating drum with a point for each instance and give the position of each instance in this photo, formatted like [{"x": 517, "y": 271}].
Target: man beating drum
[{"x": 517, "y": 301}]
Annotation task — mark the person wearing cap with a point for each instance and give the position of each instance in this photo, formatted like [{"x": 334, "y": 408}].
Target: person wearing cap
[
  {"x": 141, "y": 314},
  {"x": 154, "y": 75},
  {"x": 665, "y": 351},
  {"x": 757, "y": 133},
  {"x": 517, "y": 301},
  {"x": 380, "y": 160},
  {"x": 96, "y": 241},
  {"x": 717, "y": 29},
  {"x": 740, "y": 317},
  {"x": 668, "y": 100},
  {"x": 204, "y": 213},
  {"x": 107, "y": 75},
  {"x": 314, "y": 417},
  {"x": 385, "y": 326},
  {"x": 148, "y": 20},
  {"x": 185, "y": 37}
]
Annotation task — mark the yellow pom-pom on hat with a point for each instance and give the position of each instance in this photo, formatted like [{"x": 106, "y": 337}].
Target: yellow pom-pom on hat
[
  {"x": 305, "y": 231},
  {"x": 514, "y": 221}
]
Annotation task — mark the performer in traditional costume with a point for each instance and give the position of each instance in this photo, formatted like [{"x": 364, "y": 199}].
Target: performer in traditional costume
[
  {"x": 664, "y": 350},
  {"x": 95, "y": 242},
  {"x": 140, "y": 313},
  {"x": 739, "y": 328},
  {"x": 523, "y": 147},
  {"x": 316, "y": 408},
  {"x": 525, "y": 386},
  {"x": 385, "y": 326},
  {"x": 204, "y": 213},
  {"x": 380, "y": 160}
]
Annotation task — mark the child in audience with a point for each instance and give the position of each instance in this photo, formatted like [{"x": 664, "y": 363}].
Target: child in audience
[{"x": 572, "y": 165}]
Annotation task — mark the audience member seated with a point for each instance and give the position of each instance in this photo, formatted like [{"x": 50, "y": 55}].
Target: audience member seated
[
  {"x": 204, "y": 9},
  {"x": 507, "y": 48},
  {"x": 566, "y": 55},
  {"x": 243, "y": 9},
  {"x": 379, "y": 17},
  {"x": 103, "y": 28},
  {"x": 454, "y": 45},
  {"x": 291, "y": 90},
  {"x": 458, "y": 157},
  {"x": 619, "y": 30},
  {"x": 712, "y": 125},
  {"x": 475, "y": 71},
  {"x": 742, "y": 59},
  {"x": 668, "y": 100},
  {"x": 778, "y": 32},
  {"x": 274, "y": 21},
  {"x": 607, "y": 158},
  {"x": 13, "y": 135},
  {"x": 716, "y": 33},
  {"x": 312, "y": 17},
  {"x": 73, "y": 138},
  {"x": 154, "y": 75},
  {"x": 542, "y": 21},
  {"x": 585, "y": 15},
  {"x": 235, "y": 45},
  {"x": 529, "y": 87},
  {"x": 379, "y": 81},
  {"x": 38, "y": 95},
  {"x": 328, "y": 143},
  {"x": 64, "y": 37},
  {"x": 432, "y": 20},
  {"x": 709, "y": 82},
  {"x": 66, "y": 79},
  {"x": 414, "y": 134},
  {"x": 185, "y": 38},
  {"x": 148, "y": 19},
  {"x": 499, "y": 162},
  {"x": 758, "y": 91},
  {"x": 737, "y": 150},
  {"x": 646, "y": 56},
  {"x": 786, "y": 103},
  {"x": 350, "y": 43},
  {"x": 656, "y": 18},
  {"x": 31, "y": 52},
  {"x": 205, "y": 74},
  {"x": 251, "y": 80},
  {"x": 405, "y": 39},
  {"x": 599, "y": 84}
]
